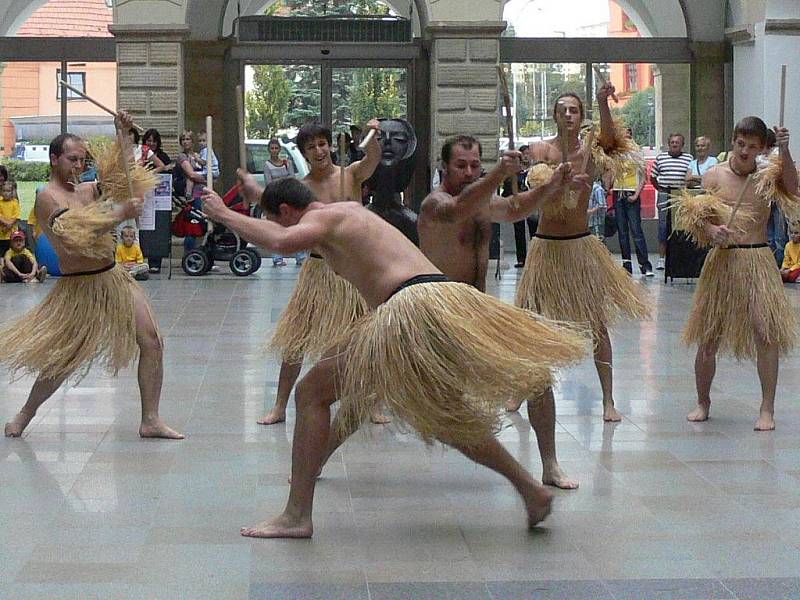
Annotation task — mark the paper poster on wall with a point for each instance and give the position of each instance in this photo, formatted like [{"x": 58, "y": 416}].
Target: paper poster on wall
[
  {"x": 147, "y": 220},
  {"x": 163, "y": 192}
]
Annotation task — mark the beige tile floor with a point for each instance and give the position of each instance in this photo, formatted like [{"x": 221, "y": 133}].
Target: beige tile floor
[{"x": 666, "y": 509}]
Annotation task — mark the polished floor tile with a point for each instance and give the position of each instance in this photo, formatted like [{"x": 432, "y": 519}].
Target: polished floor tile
[{"x": 665, "y": 509}]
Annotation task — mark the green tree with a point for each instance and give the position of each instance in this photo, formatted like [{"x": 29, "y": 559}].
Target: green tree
[
  {"x": 375, "y": 93},
  {"x": 268, "y": 102},
  {"x": 639, "y": 115}
]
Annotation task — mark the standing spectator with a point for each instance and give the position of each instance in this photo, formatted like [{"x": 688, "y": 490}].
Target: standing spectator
[
  {"x": 276, "y": 167},
  {"x": 186, "y": 177},
  {"x": 532, "y": 220},
  {"x": 596, "y": 211},
  {"x": 668, "y": 176},
  {"x": 627, "y": 191},
  {"x": 9, "y": 214},
  {"x": 19, "y": 264},
  {"x": 701, "y": 163},
  {"x": 160, "y": 162},
  {"x": 790, "y": 268}
]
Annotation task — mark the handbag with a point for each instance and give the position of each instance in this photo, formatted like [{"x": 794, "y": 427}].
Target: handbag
[{"x": 610, "y": 224}]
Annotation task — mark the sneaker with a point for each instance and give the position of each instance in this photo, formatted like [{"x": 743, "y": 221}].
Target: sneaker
[
  {"x": 215, "y": 268},
  {"x": 626, "y": 264},
  {"x": 142, "y": 276},
  {"x": 279, "y": 263},
  {"x": 519, "y": 265},
  {"x": 154, "y": 270},
  {"x": 299, "y": 261},
  {"x": 649, "y": 273},
  {"x": 660, "y": 265},
  {"x": 41, "y": 275}
]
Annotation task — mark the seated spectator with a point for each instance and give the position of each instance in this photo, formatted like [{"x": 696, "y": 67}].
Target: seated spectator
[
  {"x": 19, "y": 263},
  {"x": 129, "y": 255},
  {"x": 9, "y": 214},
  {"x": 790, "y": 269}
]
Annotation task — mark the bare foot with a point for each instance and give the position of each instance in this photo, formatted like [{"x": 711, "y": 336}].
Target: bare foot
[
  {"x": 766, "y": 422},
  {"x": 556, "y": 477},
  {"x": 17, "y": 425},
  {"x": 699, "y": 414},
  {"x": 272, "y": 417},
  {"x": 280, "y": 527},
  {"x": 379, "y": 419},
  {"x": 159, "y": 429},
  {"x": 513, "y": 405},
  {"x": 538, "y": 502},
  {"x": 611, "y": 415}
]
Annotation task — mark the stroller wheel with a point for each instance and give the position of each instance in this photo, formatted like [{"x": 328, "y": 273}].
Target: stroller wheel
[
  {"x": 243, "y": 264},
  {"x": 195, "y": 262},
  {"x": 256, "y": 257}
]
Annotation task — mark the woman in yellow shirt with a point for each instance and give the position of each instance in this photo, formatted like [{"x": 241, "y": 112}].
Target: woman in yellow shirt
[{"x": 790, "y": 269}]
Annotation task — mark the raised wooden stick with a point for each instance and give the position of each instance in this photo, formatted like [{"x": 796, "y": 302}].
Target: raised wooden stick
[
  {"x": 209, "y": 152},
  {"x": 342, "y": 148},
  {"x": 97, "y": 103},
  {"x": 782, "y": 111},
  {"x": 603, "y": 81},
  {"x": 561, "y": 115},
  {"x": 739, "y": 200},
  {"x": 367, "y": 139},
  {"x": 509, "y": 125},
  {"x": 240, "y": 117},
  {"x": 588, "y": 140},
  {"x": 127, "y": 152}
]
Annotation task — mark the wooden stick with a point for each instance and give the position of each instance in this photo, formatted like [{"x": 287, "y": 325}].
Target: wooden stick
[
  {"x": 97, "y": 103},
  {"x": 509, "y": 124},
  {"x": 240, "y": 115},
  {"x": 209, "y": 152},
  {"x": 342, "y": 148},
  {"x": 739, "y": 200},
  {"x": 782, "y": 111},
  {"x": 604, "y": 81},
  {"x": 561, "y": 114},
  {"x": 367, "y": 139},
  {"x": 588, "y": 140}
]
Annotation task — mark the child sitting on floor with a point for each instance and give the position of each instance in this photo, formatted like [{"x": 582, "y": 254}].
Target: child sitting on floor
[
  {"x": 129, "y": 255},
  {"x": 790, "y": 269},
  {"x": 19, "y": 263}
]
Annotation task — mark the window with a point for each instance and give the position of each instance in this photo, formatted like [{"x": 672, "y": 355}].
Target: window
[
  {"x": 76, "y": 79},
  {"x": 631, "y": 77}
]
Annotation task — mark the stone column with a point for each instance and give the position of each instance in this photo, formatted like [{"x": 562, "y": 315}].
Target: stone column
[
  {"x": 464, "y": 83},
  {"x": 673, "y": 103},
  {"x": 709, "y": 93},
  {"x": 150, "y": 77}
]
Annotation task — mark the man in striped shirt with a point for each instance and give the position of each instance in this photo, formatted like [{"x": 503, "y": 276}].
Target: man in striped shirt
[{"x": 668, "y": 175}]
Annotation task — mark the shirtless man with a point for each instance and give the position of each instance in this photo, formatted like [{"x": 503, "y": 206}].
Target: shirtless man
[
  {"x": 67, "y": 156},
  {"x": 378, "y": 260},
  {"x": 725, "y": 316},
  {"x": 564, "y": 256},
  {"x": 455, "y": 225},
  {"x": 324, "y": 179}
]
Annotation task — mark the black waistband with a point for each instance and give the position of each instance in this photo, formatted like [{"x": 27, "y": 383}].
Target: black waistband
[
  {"x": 428, "y": 278},
  {"x": 745, "y": 246},
  {"x": 314, "y": 255},
  {"x": 57, "y": 214},
  {"x": 93, "y": 272},
  {"x": 575, "y": 236}
]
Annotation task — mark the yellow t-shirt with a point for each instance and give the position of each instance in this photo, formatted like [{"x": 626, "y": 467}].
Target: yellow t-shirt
[
  {"x": 627, "y": 180},
  {"x": 11, "y": 253},
  {"x": 34, "y": 222},
  {"x": 791, "y": 256},
  {"x": 132, "y": 254},
  {"x": 9, "y": 209}
]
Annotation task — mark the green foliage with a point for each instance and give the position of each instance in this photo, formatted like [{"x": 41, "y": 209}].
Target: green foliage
[
  {"x": 20, "y": 170},
  {"x": 268, "y": 102},
  {"x": 639, "y": 116},
  {"x": 533, "y": 112},
  {"x": 372, "y": 93},
  {"x": 322, "y": 8}
]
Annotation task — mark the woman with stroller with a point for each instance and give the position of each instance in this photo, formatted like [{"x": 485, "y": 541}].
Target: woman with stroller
[
  {"x": 276, "y": 167},
  {"x": 187, "y": 180}
]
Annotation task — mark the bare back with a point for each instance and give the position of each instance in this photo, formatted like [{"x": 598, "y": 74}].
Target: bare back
[
  {"x": 460, "y": 248},
  {"x": 328, "y": 188},
  {"x": 361, "y": 247},
  {"x": 725, "y": 183},
  {"x": 569, "y": 221},
  {"x": 54, "y": 198}
]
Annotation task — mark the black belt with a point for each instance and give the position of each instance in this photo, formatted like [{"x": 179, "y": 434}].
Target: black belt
[
  {"x": 313, "y": 255},
  {"x": 94, "y": 272},
  {"x": 418, "y": 279},
  {"x": 574, "y": 236},
  {"x": 744, "y": 246}
]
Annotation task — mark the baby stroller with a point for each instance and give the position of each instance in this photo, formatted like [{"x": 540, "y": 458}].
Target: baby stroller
[{"x": 219, "y": 243}]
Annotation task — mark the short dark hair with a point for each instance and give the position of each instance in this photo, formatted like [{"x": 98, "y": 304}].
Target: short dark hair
[
  {"x": 153, "y": 133},
  {"x": 135, "y": 133},
  {"x": 523, "y": 147},
  {"x": 273, "y": 141},
  {"x": 3, "y": 172},
  {"x": 465, "y": 141},
  {"x": 129, "y": 228},
  {"x": 287, "y": 190},
  {"x": 752, "y": 126},
  {"x": 568, "y": 95},
  {"x": 57, "y": 145},
  {"x": 311, "y": 132},
  {"x": 771, "y": 139}
]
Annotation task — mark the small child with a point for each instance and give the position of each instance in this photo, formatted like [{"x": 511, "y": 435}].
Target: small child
[
  {"x": 597, "y": 210},
  {"x": 9, "y": 214},
  {"x": 19, "y": 263},
  {"x": 129, "y": 255},
  {"x": 790, "y": 269}
]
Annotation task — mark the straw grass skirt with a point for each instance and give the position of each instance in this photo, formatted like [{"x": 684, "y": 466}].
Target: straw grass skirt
[
  {"x": 444, "y": 358},
  {"x": 577, "y": 280},
  {"x": 320, "y": 312},
  {"x": 84, "y": 319},
  {"x": 740, "y": 295}
]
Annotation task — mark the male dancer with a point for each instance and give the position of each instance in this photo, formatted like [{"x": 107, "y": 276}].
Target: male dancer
[
  {"x": 455, "y": 225},
  {"x": 95, "y": 311},
  {"x": 741, "y": 307},
  {"x": 324, "y": 179},
  {"x": 459, "y": 361},
  {"x": 569, "y": 274}
]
